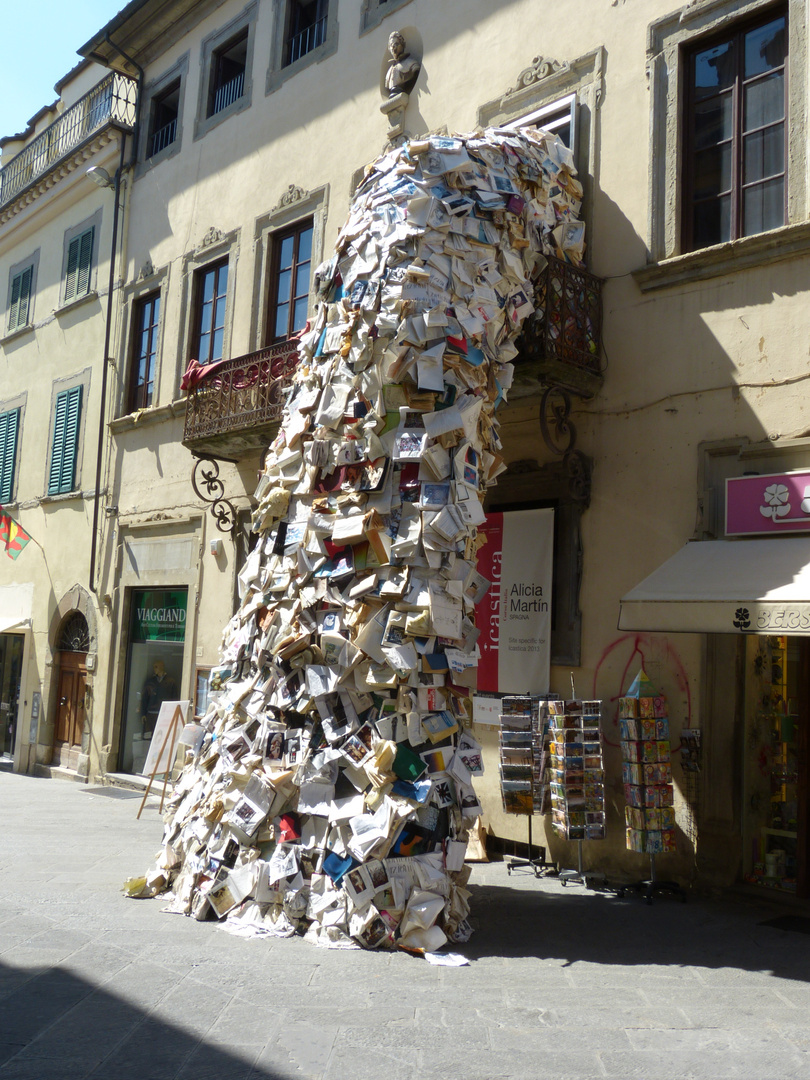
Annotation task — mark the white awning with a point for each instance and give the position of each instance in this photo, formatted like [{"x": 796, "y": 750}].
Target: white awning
[
  {"x": 16, "y": 605},
  {"x": 726, "y": 587}
]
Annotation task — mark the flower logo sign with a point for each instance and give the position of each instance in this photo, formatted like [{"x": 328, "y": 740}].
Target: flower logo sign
[
  {"x": 742, "y": 618},
  {"x": 776, "y": 497}
]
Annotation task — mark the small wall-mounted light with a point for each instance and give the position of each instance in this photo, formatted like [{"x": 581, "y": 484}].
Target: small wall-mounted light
[
  {"x": 217, "y": 547},
  {"x": 100, "y": 176}
]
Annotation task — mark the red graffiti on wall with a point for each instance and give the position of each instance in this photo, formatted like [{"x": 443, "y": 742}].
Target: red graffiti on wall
[{"x": 641, "y": 645}]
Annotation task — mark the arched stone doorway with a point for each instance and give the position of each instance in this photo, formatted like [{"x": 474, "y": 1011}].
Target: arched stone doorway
[{"x": 73, "y": 644}]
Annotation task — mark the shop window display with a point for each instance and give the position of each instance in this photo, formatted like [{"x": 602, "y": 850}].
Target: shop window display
[
  {"x": 773, "y": 777},
  {"x": 154, "y": 667}
]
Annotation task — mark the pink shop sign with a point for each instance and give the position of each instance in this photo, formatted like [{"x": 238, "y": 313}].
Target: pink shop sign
[{"x": 769, "y": 504}]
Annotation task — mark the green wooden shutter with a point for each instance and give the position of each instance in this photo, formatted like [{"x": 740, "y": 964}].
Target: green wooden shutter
[
  {"x": 20, "y": 298},
  {"x": 72, "y": 263},
  {"x": 9, "y": 426},
  {"x": 85, "y": 263},
  {"x": 14, "y": 307},
  {"x": 65, "y": 441},
  {"x": 79, "y": 264}
]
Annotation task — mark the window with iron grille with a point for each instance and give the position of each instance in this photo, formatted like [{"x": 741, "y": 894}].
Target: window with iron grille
[
  {"x": 735, "y": 156},
  {"x": 227, "y": 81},
  {"x": 163, "y": 120},
  {"x": 145, "y": 320},
  {"x": 65, "y": 441},
  {"x": 20, "y": 299},
  {"x": 306, "y": 28},
  {"x": 79, "y": 265},
  {"x": 290, "y": 266},
  {"x": 208, "y": 336},
  {"x": 9, "y": 431}
]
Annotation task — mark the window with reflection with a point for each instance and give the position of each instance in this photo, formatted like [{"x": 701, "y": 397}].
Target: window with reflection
[
  {"x": 735, "y": 167},
  {"x": 211, "y": 288},
  {"x": 146, "y": 316},
  {"x": 290, "y": 264}
]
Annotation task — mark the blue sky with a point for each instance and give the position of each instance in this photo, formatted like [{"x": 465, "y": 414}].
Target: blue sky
[{"x": 36, "y": 51}]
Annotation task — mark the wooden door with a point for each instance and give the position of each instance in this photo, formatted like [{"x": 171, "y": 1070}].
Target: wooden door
[{"x": 70, "y": 699}]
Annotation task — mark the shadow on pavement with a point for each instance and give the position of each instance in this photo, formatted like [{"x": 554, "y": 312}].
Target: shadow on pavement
[
  {"x": 599, "y": 928},
  {"x": 56, "y": 1026}
]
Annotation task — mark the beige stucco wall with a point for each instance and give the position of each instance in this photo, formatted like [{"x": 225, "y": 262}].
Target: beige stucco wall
[
  {"x": 62, "y": 345},
  {"x": 720, "y": 356}
]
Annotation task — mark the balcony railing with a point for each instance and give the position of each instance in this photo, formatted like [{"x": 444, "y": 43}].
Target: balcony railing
[
  {"x": 163, "y": 137},
  {"x": 113, "y": 101},
  {"x": 232, "y": 410},
  {"x": 228, "y": 93},
  {"x": 561, "y": 343},
  {"x": 306, "y": 40}
]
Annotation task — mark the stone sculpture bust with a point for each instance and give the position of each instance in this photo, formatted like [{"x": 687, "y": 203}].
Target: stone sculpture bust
[{"x": 403, "y": 69}]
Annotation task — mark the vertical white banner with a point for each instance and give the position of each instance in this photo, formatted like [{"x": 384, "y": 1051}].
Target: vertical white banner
[{"x": 515, "y": 616}]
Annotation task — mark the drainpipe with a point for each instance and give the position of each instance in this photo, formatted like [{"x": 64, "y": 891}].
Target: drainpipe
[
  {"x": 102, "y": 419},
  {"x": 102, "y": 416}
]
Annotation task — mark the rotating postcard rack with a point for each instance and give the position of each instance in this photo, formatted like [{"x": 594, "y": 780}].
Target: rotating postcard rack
[
  {"x": 576, "y": 775},
  {"x": 522, "y": 768},
  {"x": 647, "y": 777}
]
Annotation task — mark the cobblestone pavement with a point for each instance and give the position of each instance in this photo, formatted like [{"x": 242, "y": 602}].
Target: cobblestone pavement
[{"x": 563, "y": 982}]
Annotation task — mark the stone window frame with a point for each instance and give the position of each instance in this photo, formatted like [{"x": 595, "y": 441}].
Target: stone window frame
[
  {"x": 14, "y": 271},
  {"x": 278, "y": 73},
  {"x": 211, "y": 45},
  {"x": 294, "y": 205},
  {"x": 150, "y": 281},
  {"x": 542, "y": 85},
  {"x": 375, "y": 12},
  {"x": 68, "y": 382},
  {"x": 153, "y": 90},
  {"x": 668, "y": 39},
  {"x": 214, "y": 246}
]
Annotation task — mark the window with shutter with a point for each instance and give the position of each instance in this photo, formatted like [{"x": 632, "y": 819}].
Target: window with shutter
[
  {"x": 79, "y": 265},
  {"x": 9, "y": 427},
  {"x": 65, "y": 442},
  {"x": 20, "y": 298}
]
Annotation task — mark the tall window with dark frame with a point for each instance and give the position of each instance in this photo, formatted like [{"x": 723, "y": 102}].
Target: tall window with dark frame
[
  {"x": 306, "y": 28},
  {"x": 290, "y": 264},
  {"x": 735, "y": 147},
  {"x": 211, "y": 288},
  {"x": 163, "y": 120},
  {"x": 146, "y": 316},
  {"x": 227, "y": 82}
]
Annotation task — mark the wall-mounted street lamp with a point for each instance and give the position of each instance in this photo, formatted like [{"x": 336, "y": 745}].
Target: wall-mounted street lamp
[{"x": 100, "y": 176}]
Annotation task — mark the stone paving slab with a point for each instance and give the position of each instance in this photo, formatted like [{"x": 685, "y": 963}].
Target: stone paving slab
[{"x": 564, "y": 983}]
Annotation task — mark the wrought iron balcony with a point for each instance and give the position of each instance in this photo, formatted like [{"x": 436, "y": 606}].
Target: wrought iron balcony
[
  {"x": 561, "y": 343},
  {"x": 112, "y": 101},
  {"x": 236, "y": 408}
]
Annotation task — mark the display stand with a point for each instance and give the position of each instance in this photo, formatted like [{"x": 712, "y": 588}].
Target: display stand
[
  {"x": 522, "y": 766},
  {"x": 576, "y": 776},
  {"x": 574, "y": 877},
  {"x": 163, "y": 761},
  {"x": 647, "y": 778},
  {"x": 652, "y": 886},
  {"x": 536, "y": 866}
]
